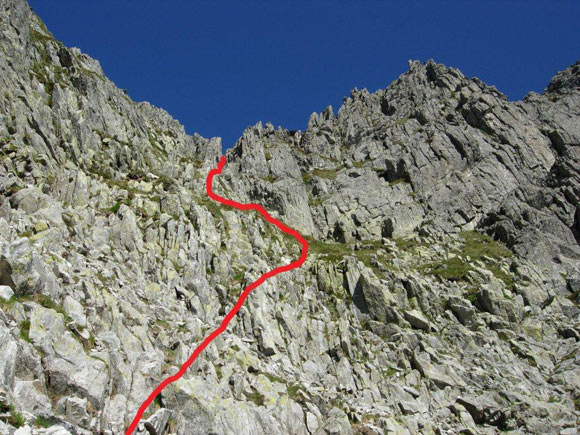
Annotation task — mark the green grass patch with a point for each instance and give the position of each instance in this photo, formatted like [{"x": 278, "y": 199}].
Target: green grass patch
[
  {"x": 28, "y": 234},
  {"x": 88, "y": 344},
  {"x": 476, "y": 247},
  {"x": 452, "y": 269},
  {"x": 163, "y": 323},
  {"x": 16, "y": 419},
  {"x": 273, "y": 378},
  {"x": 190, "y": 159},
  {"x": 293, "y": 391},
  {"x": 407, "y": 244},
  {"x": 331, "y": 251},
  {"x": 25, "y": 330},
  {"x": 479, "y": 245},
  {"x": 398, "y": 181},
  {"x": 43, "y": 422},
  {"x": 115, "y": 208},
  {"x": 472, "y": 294},
  {"x": 507, "y": 278},
  {"x": 366, "y": 256},
  {"x": 47, "y": 302},
  {"x": 328, "y": 174},
  {"x": 256, "y": 397},
  {"x": 42, "y": 300},
  {"x": 36, "y": 36},
  {"x": 104, "y": 280},
  {"x": 334, "y": 252},
  {"x": 315, "y": 202}
]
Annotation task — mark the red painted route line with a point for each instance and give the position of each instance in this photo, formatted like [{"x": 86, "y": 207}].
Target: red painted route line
[{"x": 294, "y": 265}]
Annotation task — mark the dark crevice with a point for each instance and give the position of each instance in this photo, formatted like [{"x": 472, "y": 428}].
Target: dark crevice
[
  {"x": 387, "y": 109},
  {"x": 576, "y": 225},
  {"x": 32, "y": 122},
  {"x": 395, "y": 172},
  {"x": 458, "y": 147},
  {"x": 358, "y": 298}
]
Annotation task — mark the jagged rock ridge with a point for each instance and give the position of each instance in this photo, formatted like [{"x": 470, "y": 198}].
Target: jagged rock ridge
[{"x": 440, "y": 294}]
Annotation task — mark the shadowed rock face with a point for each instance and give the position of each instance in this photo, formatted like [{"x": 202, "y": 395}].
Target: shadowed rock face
[
  {"x": 6, "y": 274},
  {"x": 440, "y": 294}
]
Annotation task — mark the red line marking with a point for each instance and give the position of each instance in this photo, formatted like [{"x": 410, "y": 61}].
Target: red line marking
[{"x": 294, "y": 265}]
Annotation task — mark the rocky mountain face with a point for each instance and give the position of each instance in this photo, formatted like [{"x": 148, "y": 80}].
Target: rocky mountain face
[{"x": 440, "y": 294}]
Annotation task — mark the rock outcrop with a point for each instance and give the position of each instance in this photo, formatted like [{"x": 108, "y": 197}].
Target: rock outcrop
[{"x": 440, "y": 294}]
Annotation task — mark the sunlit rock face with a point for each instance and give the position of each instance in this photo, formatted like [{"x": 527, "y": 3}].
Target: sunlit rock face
[{"x": 440, "y": 292}]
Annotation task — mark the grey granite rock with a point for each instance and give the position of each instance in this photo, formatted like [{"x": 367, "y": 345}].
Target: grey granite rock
[{"x": 440, "y": 293}]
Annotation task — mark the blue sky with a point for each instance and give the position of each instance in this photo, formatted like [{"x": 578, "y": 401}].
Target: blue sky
[{"x": 220, "y": 66}]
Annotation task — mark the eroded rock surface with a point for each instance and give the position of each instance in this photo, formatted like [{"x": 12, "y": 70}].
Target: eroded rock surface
[{"x": 440, "y": 294}]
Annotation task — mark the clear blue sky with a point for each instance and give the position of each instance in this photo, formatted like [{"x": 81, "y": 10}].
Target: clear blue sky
[{"x": 219, "y": 66}]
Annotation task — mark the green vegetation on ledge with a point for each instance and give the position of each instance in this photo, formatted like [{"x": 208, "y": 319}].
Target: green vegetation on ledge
[
  {"x": 329, "y": 174},
  {"x": 476, "y": 248}
]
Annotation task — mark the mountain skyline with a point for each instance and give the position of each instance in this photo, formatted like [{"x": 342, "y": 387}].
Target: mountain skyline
[{"x": 221, "y": 66}]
